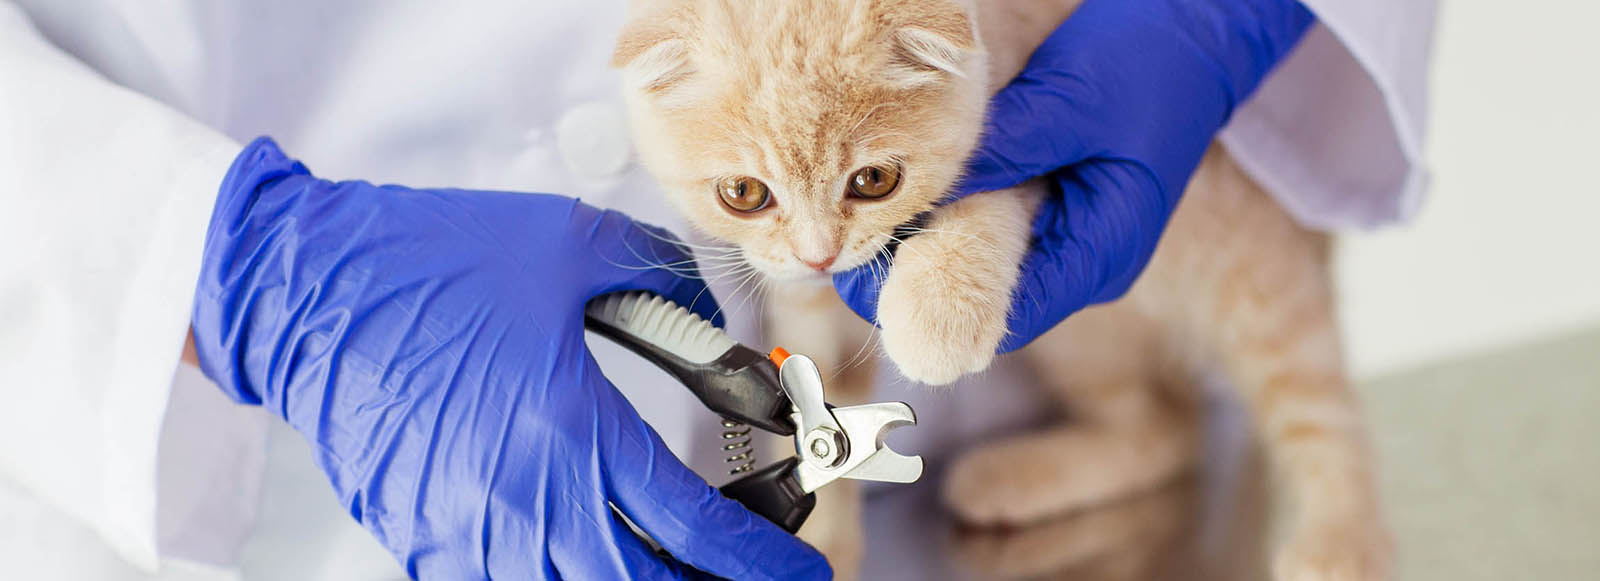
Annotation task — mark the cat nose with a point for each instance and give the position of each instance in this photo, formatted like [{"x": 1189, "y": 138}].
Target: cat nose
[{"x": 819, "y": 265}]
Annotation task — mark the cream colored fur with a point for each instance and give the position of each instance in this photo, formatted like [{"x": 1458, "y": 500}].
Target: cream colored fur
[{"x": 800, "y": 93}]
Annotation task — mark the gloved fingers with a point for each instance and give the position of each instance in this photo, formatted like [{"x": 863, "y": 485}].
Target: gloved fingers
[
  {"x": 639, "y": 256},
  {"x": 1114, "y": 212},
  {"x": 601, "y": 546},
  {"x": 688, "y": 517},
  {"x": 699, "y": 526},
  {"x": 1029, "y": 132}
]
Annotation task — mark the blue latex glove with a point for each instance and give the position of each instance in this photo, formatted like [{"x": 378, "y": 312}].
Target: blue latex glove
[
  {"x": 429, "y": 344},
  {"x": 1116, "y": 108}
]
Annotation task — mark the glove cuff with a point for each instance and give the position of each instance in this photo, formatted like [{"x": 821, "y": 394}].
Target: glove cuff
[{"x": 230, "y": 266}]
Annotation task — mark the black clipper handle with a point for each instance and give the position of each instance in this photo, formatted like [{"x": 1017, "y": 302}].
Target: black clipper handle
[
  {"x": 774, "y": 493},
  {"x": 733, "y": 380}
]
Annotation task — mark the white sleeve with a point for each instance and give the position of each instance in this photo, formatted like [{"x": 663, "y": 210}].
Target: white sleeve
[
  {"x": 104, "y": 200},
  {"x": 1336, "y": 132}
]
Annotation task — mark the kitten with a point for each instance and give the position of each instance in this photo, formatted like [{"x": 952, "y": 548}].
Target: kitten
[{"x": 804, "y": 132}]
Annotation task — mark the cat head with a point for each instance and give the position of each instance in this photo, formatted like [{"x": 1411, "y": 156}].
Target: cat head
[{"x": 803, "y": 131}]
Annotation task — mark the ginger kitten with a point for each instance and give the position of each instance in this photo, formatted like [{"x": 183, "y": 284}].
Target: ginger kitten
[{"x": 805, "y": 131}]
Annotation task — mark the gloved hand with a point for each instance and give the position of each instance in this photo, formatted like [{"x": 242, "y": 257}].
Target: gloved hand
[
  {"x": 1116, "y": 108},
  {"x": 429, "y": 344}
]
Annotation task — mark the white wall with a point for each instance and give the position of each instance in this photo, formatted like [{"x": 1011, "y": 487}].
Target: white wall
[{"x": 1507, "y": 246}]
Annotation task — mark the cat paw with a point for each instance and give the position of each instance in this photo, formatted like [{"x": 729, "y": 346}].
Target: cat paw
[
  {"x": 985, "y": 488},
  {"x": 1133, "y": 539},
  {"x": 942, "y": 319},
  {"x": 1335, "y": 550},
  {"x": 1029, "y": 477}
]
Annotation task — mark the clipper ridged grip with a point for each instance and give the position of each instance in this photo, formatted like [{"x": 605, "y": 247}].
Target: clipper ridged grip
[
  {"x": 733, "y": 380},
  {"x": 664, "y": 324}
]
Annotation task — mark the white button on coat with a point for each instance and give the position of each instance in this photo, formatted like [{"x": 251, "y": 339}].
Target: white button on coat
[{"x": 593, "y": 140}]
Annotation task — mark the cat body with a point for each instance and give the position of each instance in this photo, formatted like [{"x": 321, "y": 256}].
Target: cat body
[{"x": 804, "y": 132}]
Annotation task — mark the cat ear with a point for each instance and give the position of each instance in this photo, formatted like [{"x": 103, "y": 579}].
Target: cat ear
[
  {"x": 652, "y": 55},
  {"x": 934, "y": 39}
]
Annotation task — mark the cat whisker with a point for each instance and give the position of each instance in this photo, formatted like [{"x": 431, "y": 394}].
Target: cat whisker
[
  {"x": 760, "y": 283},
  {"x": 729, "y": 270},
  {"x": 723, "y": 308},
  {"x": 688, "y": 273},
  {"x": 703, "y": 290},
  {"x": 904, "y": 245},
  {"x": 731, "y": 257},
  {"x": 689, "y": 267},
  {"x": 721, "y": 264},
  {"x": 862, "y": 354},
  {"x": 882, "y": 258},
  {"x": 726, "y": 266},
  {"x": 675, "y": 267},
  {"x": 737, "y": 278},
  {"x": 664, "y": 265},
  {"x": 686, "y": 269},
  {"x": 719, "y": 272},
  {"x": 734, "y": 255},
  {"x": 678, "y": 242},
  {"x": 754, "y": 283},
  {"x": 726, "y": 271}
]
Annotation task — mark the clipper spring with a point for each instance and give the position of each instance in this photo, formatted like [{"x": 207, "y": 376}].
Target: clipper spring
[{"x": 736, "y": 438}]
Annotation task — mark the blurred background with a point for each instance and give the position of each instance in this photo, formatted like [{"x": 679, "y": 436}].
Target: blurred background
[{"x": 1474, "y": 332}]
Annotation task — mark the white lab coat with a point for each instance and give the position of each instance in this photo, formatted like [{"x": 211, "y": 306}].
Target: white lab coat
[{"x": 117, "y": 119}]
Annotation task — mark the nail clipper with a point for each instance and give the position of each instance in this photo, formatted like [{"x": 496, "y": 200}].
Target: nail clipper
[{"x": 778, "y": 392}]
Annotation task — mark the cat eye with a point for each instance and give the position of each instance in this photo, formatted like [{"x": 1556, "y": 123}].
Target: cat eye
[
  {"x": 743, "y": 194},
  {"x": 874, "y": 181}
]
